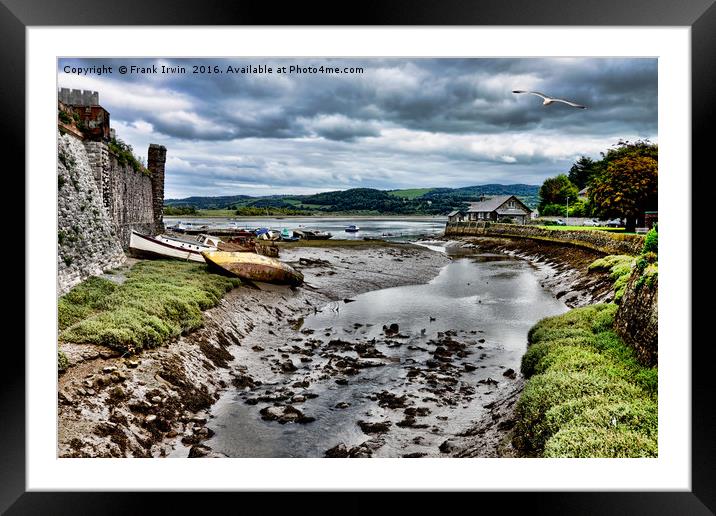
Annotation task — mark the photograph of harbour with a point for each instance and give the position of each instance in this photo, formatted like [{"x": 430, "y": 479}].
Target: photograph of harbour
[{"x": 355, "y": 258}]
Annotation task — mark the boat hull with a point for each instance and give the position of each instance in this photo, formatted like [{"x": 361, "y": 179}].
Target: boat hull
[
  {"x": 254, "y": 267},
  {"x": 149, "y": 246}
]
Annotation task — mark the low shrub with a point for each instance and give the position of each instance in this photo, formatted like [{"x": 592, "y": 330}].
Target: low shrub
[
  {"x": 62, "y": 362},
  {"x": 651, "y": 242},
  {"x": 585, "y": 383},
  {"x": 158, "y": 300}
]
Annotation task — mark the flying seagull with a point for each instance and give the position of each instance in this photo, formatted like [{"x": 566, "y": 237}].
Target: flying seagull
[{"x": 549, "y": 100}]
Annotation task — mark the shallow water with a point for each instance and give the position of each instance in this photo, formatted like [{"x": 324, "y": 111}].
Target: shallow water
[
  {"x": 487, "y": 302},
  {"x": 390, "y": 228}
]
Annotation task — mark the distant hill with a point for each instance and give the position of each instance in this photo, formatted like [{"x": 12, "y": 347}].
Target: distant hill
[
  {"x": 208, "y": 203},
  {"x": 418, "y": 201}
]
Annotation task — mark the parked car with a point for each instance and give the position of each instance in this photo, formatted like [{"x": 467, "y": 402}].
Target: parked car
[
  {"x": 560, "y": 222},
  {"x": 590, "y": 222},
  {"x": 613, "y": 223}
]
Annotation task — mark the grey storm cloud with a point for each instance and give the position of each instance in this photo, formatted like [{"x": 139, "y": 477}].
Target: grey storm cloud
[{"x": 399, "y": 123}]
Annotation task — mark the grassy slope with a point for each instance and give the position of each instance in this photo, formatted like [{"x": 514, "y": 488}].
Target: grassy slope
[
  {"x": 410, "y": 193},
  {"x": 158, "y": 300},
  {"x": 587, "y": 396}
]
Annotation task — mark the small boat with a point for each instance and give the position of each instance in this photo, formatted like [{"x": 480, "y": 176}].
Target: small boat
[
  {"x": 267, "y": 234},
  {"x": 253, "y": 267},
  {"x": 352, "y": 229},
  {"x": 163, "y": 246},
  {"x": 288, "y": 235},
  {"x": 312, "y": 234}
]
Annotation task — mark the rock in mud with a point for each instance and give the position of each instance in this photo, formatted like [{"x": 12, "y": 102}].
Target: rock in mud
[
  {"x": 198, "y": 451},
  {"x": 448, "y": 446},
  {"x": 392, "y": 401},
  {"x": 288, "y": 366},
  {"x": 374, "y": 428},
  {"x": 339, "y": 451},
  {"x": 510, "y": 373},
  {"x": 342, "y": 405},
  {"x": 284, "y": 414}
]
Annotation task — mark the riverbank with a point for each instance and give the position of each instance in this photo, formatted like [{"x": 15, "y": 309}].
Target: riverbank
[
  {"x": 160, "y": 402},
  {"x": 114, "y": 405}
]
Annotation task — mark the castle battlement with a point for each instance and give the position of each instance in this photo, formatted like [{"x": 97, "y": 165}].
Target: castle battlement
[{"x": 78, "y": 97}]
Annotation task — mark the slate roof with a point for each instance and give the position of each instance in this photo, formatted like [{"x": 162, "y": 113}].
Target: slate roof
[
  {"x": 491, "y": 204},
  {"x": 453, "y": 213}
]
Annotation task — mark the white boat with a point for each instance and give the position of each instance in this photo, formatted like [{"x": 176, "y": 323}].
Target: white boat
[{"x": 163, "y": 246}]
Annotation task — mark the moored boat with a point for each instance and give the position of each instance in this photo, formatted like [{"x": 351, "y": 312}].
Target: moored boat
[
  {"x": 352, "y": 229},
  {"x": 253, "y": 267},
  {"x": 312, "y": 234},
  {"x": 163, "y": 246},
  {"x": 288, "y": 236}
]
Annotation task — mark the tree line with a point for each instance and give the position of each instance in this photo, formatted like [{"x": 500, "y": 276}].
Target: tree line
[{"x": 622, "y": 184}]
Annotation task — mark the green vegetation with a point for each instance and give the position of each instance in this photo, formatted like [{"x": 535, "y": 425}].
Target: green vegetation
[
  {"x": 619, "y": 267},
  {"x": 410, "y": 193},
  {"x": 623, "y": 184},
  {"x": 62, "y": 362},
  {"x": 651, "y": 242},
  {"x": 246, "y": 211},
  {"x": 158, "y": 301},
  {"x": 587, "y": 396},
  {"x": 180, "y": 210},
  {"x": 125, "y": 156},
  {"x": 64, "y": 117},
  {"x": 360, "y": 201},
  {"x": 545, "y": 225},
  {"x": 554, "y": 193}
]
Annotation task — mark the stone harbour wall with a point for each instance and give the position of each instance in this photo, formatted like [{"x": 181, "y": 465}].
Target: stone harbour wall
[
  {"x": 87, "y": 238},
  {"x": 602, "y": 241},
  {"x": 637, "y": 318}
]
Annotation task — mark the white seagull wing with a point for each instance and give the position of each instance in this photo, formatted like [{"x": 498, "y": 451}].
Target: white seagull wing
[
  {"x": 570, "y": 103},
  {"x": 532, "y": 93}
]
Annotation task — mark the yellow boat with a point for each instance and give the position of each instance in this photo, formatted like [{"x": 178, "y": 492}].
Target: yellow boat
[{"x": 253, "y": 267}]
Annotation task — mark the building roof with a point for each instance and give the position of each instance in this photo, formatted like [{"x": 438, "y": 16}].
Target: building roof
[
  {"x": 453, "y": 213},
  {"x": 491, "y": 204},
  {"x": 583, "y": 191},
  {"x": 511, "y": 211}
]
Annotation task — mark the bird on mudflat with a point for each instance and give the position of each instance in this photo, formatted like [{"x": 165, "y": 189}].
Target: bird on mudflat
[{"x": 549, "y": 100}]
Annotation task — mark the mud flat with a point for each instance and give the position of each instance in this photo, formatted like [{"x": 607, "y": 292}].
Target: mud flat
[
  {"x": 146, "y": 405},
  {"x": 424, "y": 364}
]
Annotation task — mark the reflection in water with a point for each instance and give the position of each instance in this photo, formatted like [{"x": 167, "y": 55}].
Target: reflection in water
[{"x": 489, "y": 301}]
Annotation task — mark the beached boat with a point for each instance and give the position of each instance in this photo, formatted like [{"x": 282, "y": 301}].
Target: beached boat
[
  {"x": 288, "y": 236},
  {"x": 253, "y": 267},
  {"x": 312, "y": 234},
  {"x": 352, "y": 229},
  {"x": 163, "y": 246}
]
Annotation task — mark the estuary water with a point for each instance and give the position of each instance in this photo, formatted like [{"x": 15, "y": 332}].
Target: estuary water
[{"x": 389, "y": 228}]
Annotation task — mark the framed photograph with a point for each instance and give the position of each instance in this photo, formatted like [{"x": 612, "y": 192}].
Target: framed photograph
[{"x": 288, "y": 257}]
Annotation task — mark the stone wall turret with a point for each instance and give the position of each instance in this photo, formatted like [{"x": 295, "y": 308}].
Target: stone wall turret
[{"x": 156, "y": 158}]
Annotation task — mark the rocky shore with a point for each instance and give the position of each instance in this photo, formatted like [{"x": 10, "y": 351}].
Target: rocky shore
[
  {"x": 144, "y": 406},
  {"x": 159, "y": 403}
]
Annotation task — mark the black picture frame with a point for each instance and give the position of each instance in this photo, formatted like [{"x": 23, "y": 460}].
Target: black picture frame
[{"x": 699, "y": 15}]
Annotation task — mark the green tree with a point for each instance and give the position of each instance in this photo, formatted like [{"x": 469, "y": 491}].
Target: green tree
[
  {"x": 626, "y": 188},
  {"x": 582, "y": 171},
  {"x": 556, "y": 190}
]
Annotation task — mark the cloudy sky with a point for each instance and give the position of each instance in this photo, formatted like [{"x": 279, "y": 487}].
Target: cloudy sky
[{"x": 401, "y": 123}]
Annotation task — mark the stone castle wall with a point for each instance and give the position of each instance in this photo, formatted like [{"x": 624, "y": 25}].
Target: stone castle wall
[
  {"x": 87, "y": 238},
  {"x": 103, "y": 203},
  {"x": 602, "y": 241}
]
